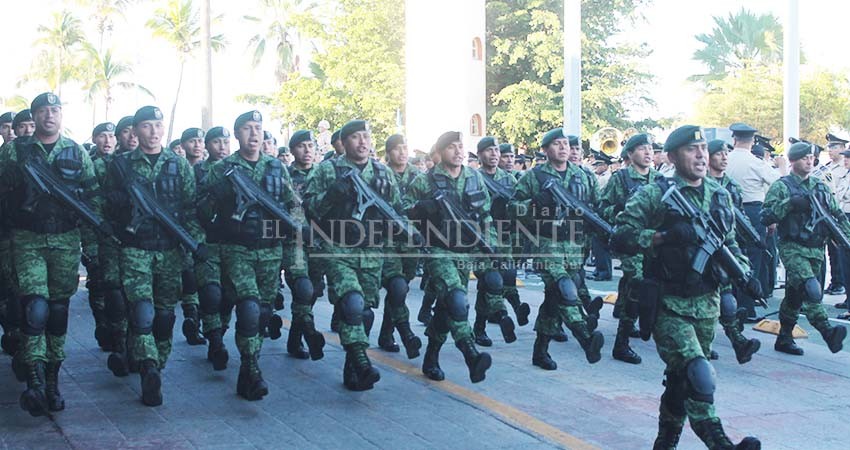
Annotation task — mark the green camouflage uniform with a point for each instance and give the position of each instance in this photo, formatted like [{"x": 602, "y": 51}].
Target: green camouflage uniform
[{"x": 9, "y": 311}]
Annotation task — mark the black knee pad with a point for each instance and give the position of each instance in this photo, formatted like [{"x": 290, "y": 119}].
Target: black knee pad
[
  {"x": 163, "y": 324},
  {"x": 675, "y": 390},
  {"x": 811, "y": 290},
  {"x": 35, "y": 314},
  {"x": 302, "y": 291},
  {"x": 265, "y": 315},
  {"x": 190, "y": 283},
  {"x": 248, "y": 317},
  {"x": 728, "y": 304},
  {"x": 209, "y": 298},
  {"x": 116, "y": 305},
  {"x": 352, "y": 305},
  {"x": 509, "y": 277},
  {"x": 397, "y": 290},
  {"x": 493, "y": 283},
  {"x": 568, "y": 291},
  {"x": 457, "y": 306},
  {"x": 141, "y": 317},
  {"x": 701, "y": 380},
  {"x": 57, "y": 322}
]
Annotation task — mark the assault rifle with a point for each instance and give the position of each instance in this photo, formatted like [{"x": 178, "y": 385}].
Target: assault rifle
[
  {"x": 748, "y": 234},
  {"x": 368, "y": 198},
  {"x": 248, "y": 194},
  {"x": 821, "y": 214},
  {"x": 498, "y": 189},
  {"x": 456, "y": 213},
  {"x": 568, "y": 201}
]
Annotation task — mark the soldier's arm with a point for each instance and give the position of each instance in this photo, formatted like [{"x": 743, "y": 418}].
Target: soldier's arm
[
  {"x": 288, "y": 195},
  {"x": 608, "y": 201},
  {"x": 414, "y": 192},
  {"x": 92, "y": 196},
  {"x": 315, "y": 194},
  {"x": 520, "y": 207},
  {"x": 732, "y": 243},
  {"x": 776, "y": 204},
  {"x": 190, "y": 213},
  {"x": 636, "y": 225}
]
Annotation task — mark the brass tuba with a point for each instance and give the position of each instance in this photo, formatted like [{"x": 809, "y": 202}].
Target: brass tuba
[{"x": 607, "y": 140}]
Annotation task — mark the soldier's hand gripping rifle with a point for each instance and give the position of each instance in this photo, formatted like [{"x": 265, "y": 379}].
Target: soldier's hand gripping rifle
[
  {"x": 42, "y": 180},
  {"x": 499, "y": 190},
  {"x": 248, "y": 194},
  {"x": 566, "y": 200},
  {"x": 368, "y": 198},
  {"x": 468, "y": 226},
  {"x": 711, "y": 236},
  {"x": 748, "y": 234},
  {"x": 821, "y": 214}
]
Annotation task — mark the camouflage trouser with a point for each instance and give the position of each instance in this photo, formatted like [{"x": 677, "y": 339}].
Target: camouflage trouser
[
  {"x": 403, "y": 265},
  {"x": 354, "y": 273},
  {"x": 255, "y": 273},
  {"x": 297, "y": 264},
  {"x": 209, "y": 272},
  {"x": 486, "y": 303},
  {"x": 151, "y": 276},
  {"x": 187, "y": 297},
  {"x": 448, "y": 271},
  {"x": 46, "y": 265},
  {"x": 109, "y": 255},
  {"x": 798, "y": 269},
  {"x": 7, "y": 289},
  {"x": 554, "y": 261},
  {"x": 632, "y": 272},
  {"x": 679, "y": 339}
]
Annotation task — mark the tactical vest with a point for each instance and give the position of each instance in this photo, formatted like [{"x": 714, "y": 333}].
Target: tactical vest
[
  {"x": 254, "y": 230},
  {"x": 299, "y": 180},
  {"x": 499, "y": 205},
  {"x": 200, "y": 170},
  {"x": 441, "y": 230},
  {"x": 558, "y": 223},
  {"x": 734, "y": 192},
  {"x": 797, "y": 225},
  {"x": 42, "y": 213},
  {"x": 671, "y": 263}
]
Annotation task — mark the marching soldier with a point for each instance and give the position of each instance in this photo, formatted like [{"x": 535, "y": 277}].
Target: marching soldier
[
  {"x": 193, "y": 143},
  {"x": 23, "y": 123},
  {"x": 789, "y": 204},
  {"x": 127, "y": 140},
  {"x": 685, "y": 301},
  {"x": 830, "y": 172},
  {"x": 7, "y": 131},
  {"x": 269, "y": 144},
  {"x": 507, "y": 158}
]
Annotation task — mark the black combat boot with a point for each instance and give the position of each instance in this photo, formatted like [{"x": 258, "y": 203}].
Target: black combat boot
[
  {"x": 560, "y": 335},
  {"x": 275, "y": 325},
  {"x": 669, "y": 433},
  {"x": 834, "y": 337},
  {"x": 411, "y": 342},
  {"x": 712, "y": 435},
  {"x": 55, "y": 402},
  {"x": 431, "y": 362},
  {"x": 118, "y": 362},
  {"x": 33, "y": 400},
  {"x": 591, "y": 343},
  {"x": 478, "y": 363},
  {"x": 364, "y": 375},
  {"x": 506, "y": 324},
  {"x": 191, "y": 325},
  {"x": 216, "y": 352},
  {"x": 540, "y": 357},
  {"x": 101, "y": 331},
  {"x": 592, "y": 308},
  {"x": 315, "y": 340},
  {"x": 293, "y": 342},
  {"x": 250, "y": 384},
  {"x": 151, "y": 383},
  {"x": 479, "y": 330},
  {"x": 622, "y": 351},
  {"x": 744, "y": 348},
  {"x": 521, "y": 309},
  {"x": 386, "y": 340},
  {"x": 785, "y": 341}
]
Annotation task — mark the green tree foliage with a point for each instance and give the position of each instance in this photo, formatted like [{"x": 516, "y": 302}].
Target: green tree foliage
[
  {"x": 525, "y": 67},
  {"x": 59, "y": 45},
  {"x": 106, "y": 74},
  {"x": 104, "y": 13},
  {"x": 278, "y": 33}
]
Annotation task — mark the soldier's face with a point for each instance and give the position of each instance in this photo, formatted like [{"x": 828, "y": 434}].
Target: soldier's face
[
  {"x": 453, "y": 155},
  {"x": 558, "y": 151},
  {"x": 506, "y": 161},
  {"x": 25, "y": 129},
  {"x": 304, "y": 153},
  {"x": 337, "y": 145},
  {"x": 149, "y": 134},
  {"x": 804, "y": 165},
  {"x": 127, "y": 139},
  {"x": 105, "y": 142},
  {"x": 269, "y": 148},
  {"x": 719, "y": 161},
  {"x": 250, "y": 137},
  {"x": 600, "y": 168},
  {"x": 489, "y": 157},
  {"x": 7, "y": 132},
  {"x": 179, "y": 151},
  {"x": 398, "y": 155},
  {"x": 48, "y": 120},
  {"x": 641, "y": 156},
  {"x": 194, "y": 148},
  {"x": 358, "y": 146},
  {"x": 218, "y": 148},
  {"x": 691, "y": 161},
  {"x": 575, "y": 154}
]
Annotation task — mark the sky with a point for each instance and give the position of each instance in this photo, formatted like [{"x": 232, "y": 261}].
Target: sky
[{"x": 669, "y": 31}]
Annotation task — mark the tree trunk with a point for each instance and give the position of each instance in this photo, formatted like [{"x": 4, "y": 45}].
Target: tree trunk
[{"x": 176, "y": 99}]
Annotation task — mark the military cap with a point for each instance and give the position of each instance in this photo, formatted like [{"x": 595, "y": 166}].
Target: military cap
[
  {"x": 684, "y": 135},
  {"x": 147, "y": 113},
  {"x": 353, "y": 126},
  {"x": 328, "y": 155},
  {"x": 106, "y": 127},
  {"x": 799, "y": 150},
  {"x": 191, "y": 133},
  {"x": 299, "y": 137},
  {"x": 472, "y": 156},
  {"x": 506, "y": 149},
  {"x": 415, "y": 160},
  {"x": 335, "y": 136},
  {"x": 540, "y": 156},
  {"x": 551, "y": 135},
  {"x": 487, "y": 141},
  {"x": 833, "y": 139},
  {"x": 45, "y": 99},
  {"x": 284, "y": 150},
  {"x": 267, "y": 135},
  {"x": 447, "y": 138},
  {"x": 22, "y": 116},
  {"x": 845, "y": 153},
  {"x": 126, "y": 121},
  {"x": 573, "y": 140},
  {"x": 757, "y": 150},
  {"x": 742, "y": 130},
  {"x": 718, "y": 145},
  {"x": 250, "y": 116},
  {"x": 657, "y": 147},
  {"x": 173, "y": 144},
  {"x": 636, "y": 141},
  {"x": 215, "y": 133},
  {"x": 765, "y": 142},
  {"x": 394, "y": 141},
  {"x": 7, "y": 117},
  {"x": 520, "y": 158},
  {"x": 600, "y": 158}
]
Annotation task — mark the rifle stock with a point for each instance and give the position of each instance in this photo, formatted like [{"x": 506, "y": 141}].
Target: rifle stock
[
  {"x": 569, "y": 201},
  {"x": 368, "y": 198}
]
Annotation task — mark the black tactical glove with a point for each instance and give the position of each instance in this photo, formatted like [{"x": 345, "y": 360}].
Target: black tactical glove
[
  {"x": 680, "y": 233},
  {"x": 800, "y": 203},
  {"x": 118, "y": 199},
  {"x": 202, "y": 254},
  {"x": 340, "y": 190},
  {"x": 753, "y": 288},
  {"x": 544, "y": 199},
  {"x": 428, "y": 207}
]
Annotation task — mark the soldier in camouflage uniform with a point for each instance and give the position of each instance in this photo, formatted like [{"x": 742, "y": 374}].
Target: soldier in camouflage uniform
[
  {"x": 250, "y": 255},
  {"x": 127, "y": 140},
  {"x": 448, "y": 265},
  {"x": 788, "y": 207},
  {"x": 46, "y": 253},
  {"x": 687, "y": 302},
  {"x": 562, "y": 270},
  {"x": 8, "y": 312},
  {"x": 151, "y": 258}
]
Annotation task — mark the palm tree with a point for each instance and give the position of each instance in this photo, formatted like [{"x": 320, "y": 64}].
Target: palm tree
[
  {"x": 15, "y": 103},
  {"x": 59, "y": 44},
  {"x": 103, "y": 12},
  {"x": 279, "y": 33},
  {"x": 738, "y": 42},
  {"x": 106, "y": 75},
  {"x": 179, "y": 24}
]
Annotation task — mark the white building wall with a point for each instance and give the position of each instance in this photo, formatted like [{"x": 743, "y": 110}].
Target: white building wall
[{"x": 445, "y": 85}]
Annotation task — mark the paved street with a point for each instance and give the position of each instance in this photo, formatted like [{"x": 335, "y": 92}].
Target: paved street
[{"x": 789, "y": 402}]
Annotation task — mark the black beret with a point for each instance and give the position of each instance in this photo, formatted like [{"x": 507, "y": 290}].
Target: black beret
[
  {"x": 505, "y": 148},
  {"x": 106, "y": 127},
  {"x": 250, "y": 116},
  {"x": 283, "y": 150},
  {"x": 684, "y": 135},
  {"x": 267, "y": 135},
  {"x": 353, "y": 126},
  {"x": 573, "y": 140},
  {"x": 126, "y": 121},
  {"x": 45, "y": 99},
  {"x": 636, "y": 141},
  {"x": 335, "y": 136},
  {"x": 215, "y": 133},
  {"x": 173, "y": 144},
  {"x": 299, "y": 137},
  {"x": 833, "y": 139},
  {"x": 191, "y": 133},
  {"x": 719, "y": 145},
  {"x": 742, "y": 130},
  {"x": 472, "y": 156},
  {"x": 447, "y": 138},
  {"x": 394, "y": 141},
  {"x": 551, "y": 135},
  {"x": 22, "y": 116},
  {"x": 799, "y": 150},
  {"x": 147, "y": 113},
  {"x": 7, "y": 117},
  {"x": 487, "y": 141}
]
